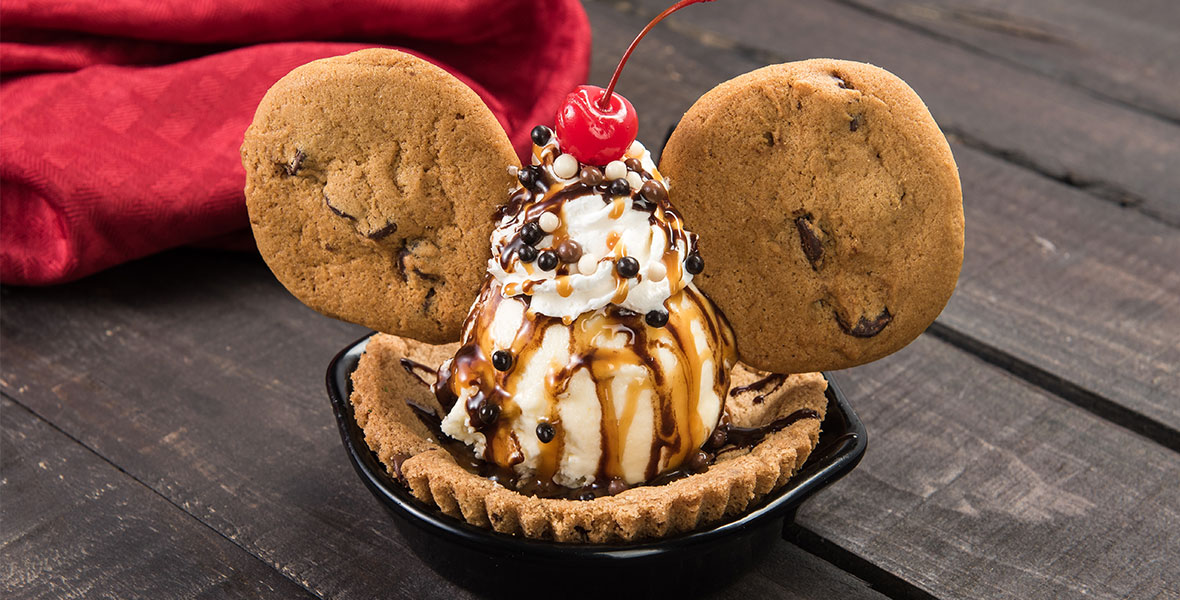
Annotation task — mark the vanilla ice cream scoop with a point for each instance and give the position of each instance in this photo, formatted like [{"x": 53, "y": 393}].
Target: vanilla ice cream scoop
[{"x": 589, "y": 361}]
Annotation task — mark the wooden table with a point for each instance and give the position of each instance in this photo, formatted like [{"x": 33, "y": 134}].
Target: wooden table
[{"x": 166, "y": 431}]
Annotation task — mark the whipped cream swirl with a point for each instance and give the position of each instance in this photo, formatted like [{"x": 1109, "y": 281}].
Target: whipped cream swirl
[{"x": 616, "y": 238}]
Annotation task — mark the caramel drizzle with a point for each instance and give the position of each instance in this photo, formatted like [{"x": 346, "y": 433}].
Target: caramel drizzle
[{"x": 676, "y": 392}]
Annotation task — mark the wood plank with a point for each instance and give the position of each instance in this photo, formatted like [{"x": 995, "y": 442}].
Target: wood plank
[
  {"x": 1108, "y": 149},
  {"x": 1075, "y": 286},
  {"x": 198, "y": 374},
  {"x": 1128, "y": 51},
  {"x": 978, "y": 485},
  {"x": 75, "y": 527}
]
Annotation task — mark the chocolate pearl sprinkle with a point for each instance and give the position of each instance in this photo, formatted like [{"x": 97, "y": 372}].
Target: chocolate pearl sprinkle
[
  {"x": 569, "y": 251},
  {"x": 656, "y": 318},
  {"x": 545, "y": 432},
  {"x": 619, "y": 187},
  {"x": 527, "y": 177},
  {"x": 616, "y": 486},
  {"x": 488, "y": 413},
  {"x": 694, "y": 263},
  {"x": 531, "y": 233},
  {"x": 540, "y": 135},
  {"x": 590, "y": 175},
  {"x": 547, "y": 260},
  {"x": 615, "y": 169},
  {"x": 653, "y": 191},
  {"x": 549, "y": 222},
  {"x": 527, "y": 254},
  {"x": 502, "y": 360},
  {"x": 634, "y": 164},
  {"x": 627, "y": 267},
  {"x": 699, "y": 461}
]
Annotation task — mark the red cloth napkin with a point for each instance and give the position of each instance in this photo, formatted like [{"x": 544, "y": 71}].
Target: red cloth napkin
[{"x": 120, "y": 120}]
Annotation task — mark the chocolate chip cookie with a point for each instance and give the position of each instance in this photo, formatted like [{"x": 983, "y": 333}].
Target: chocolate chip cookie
[
  {"x": 372, "y": 179},
  {"x": 828, "y": 206}
]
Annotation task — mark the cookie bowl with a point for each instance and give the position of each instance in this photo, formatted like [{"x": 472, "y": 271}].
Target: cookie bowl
[{"x": 486, "y": 561}]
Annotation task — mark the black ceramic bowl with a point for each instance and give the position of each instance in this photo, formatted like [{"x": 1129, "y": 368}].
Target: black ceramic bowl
[{"x": 489, "y": 563}]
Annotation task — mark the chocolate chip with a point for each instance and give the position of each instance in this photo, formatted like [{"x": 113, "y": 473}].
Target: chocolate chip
[
  {"x": 841, "y": 82},
  {"x": 633, "y": 164},
  {"x": 398, "y": 459},
  {"x": 547, "y": 260},
  {"x": 531, "y": 233},
  {"x": 619, "y": 187},
  {"x": 627, "y": 267},
  {"x": 545, "y": 432},
  {"x": 699, "y": 461},
  {"x": 694, "y": 263},
  {"x": 656, "y": 318},
  {"x": 337, "y": 211},
  {"x": 856, "y": 122},
  {"x": 488, "y": 413},
  {"x": 866, "y": 327},
  {"x": 813, "y": 248},
  {"x": 383, "y": 232},
  {"x": 527, "y": 254},
  {"x": 541, "y": 135},
  {"x": 590, "y": 175},
  {"x": 569, "y": 251},
  {"x": 616, "y": 486},
  {"x": 292, "y": 167},
  {"x": 502, "y": 360},
  {"x": 654, "y": 191}
]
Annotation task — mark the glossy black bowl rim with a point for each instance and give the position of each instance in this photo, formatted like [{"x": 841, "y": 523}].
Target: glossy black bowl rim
[{"x": 812, "y": 477}]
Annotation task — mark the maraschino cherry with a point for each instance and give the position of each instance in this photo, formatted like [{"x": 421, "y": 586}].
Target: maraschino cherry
[{"x": 597, "y": 126}]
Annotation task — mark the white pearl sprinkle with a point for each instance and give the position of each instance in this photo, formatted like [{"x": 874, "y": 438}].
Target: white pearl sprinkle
[
  {"x": 513, "y": 170},
  {"x": 657, "y": 271},
  {"x": 615, "y": 170},
  {"x": 635, "y": 150},
  {"x": 587, "y": 264},
  {"x": 548, "y": 222},
  {"x": 635, "y": 180},
  {"x": 565, "y": 166}
]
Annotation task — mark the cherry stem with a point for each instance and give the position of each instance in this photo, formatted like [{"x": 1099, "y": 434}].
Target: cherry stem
[{"x": 604, "y": 101}]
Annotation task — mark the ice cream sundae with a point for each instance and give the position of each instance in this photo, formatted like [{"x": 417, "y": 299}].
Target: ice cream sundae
[{"x": 589, "y": 360}]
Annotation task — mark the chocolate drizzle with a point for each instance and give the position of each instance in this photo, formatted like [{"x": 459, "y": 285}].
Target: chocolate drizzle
[
  {"x": 748, "y": 437},
  {"x": 415, "y": 368},
  {"x": 774, "y": 381}
]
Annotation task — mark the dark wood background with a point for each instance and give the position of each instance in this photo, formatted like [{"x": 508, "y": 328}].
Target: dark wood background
[{"x": 166, "y": 432}]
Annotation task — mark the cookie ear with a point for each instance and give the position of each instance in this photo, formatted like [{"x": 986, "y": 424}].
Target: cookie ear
[
  {"x": 371, "y": 183},
  {"x": 828, "y": 208}
]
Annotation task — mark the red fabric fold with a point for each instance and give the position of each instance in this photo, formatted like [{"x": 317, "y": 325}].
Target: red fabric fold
[{"x": 120, "y": 120}]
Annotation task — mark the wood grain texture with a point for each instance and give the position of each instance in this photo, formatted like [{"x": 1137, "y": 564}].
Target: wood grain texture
[
  {"x": 978, "y": 485},
  {"x": 198, "y": 374},
  {"x": 1128, "y": 51},
  {"x": 75, "y": 527},
  {"x": 1118, "y": 153},
  {"x": 1052, "y": 276}
]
